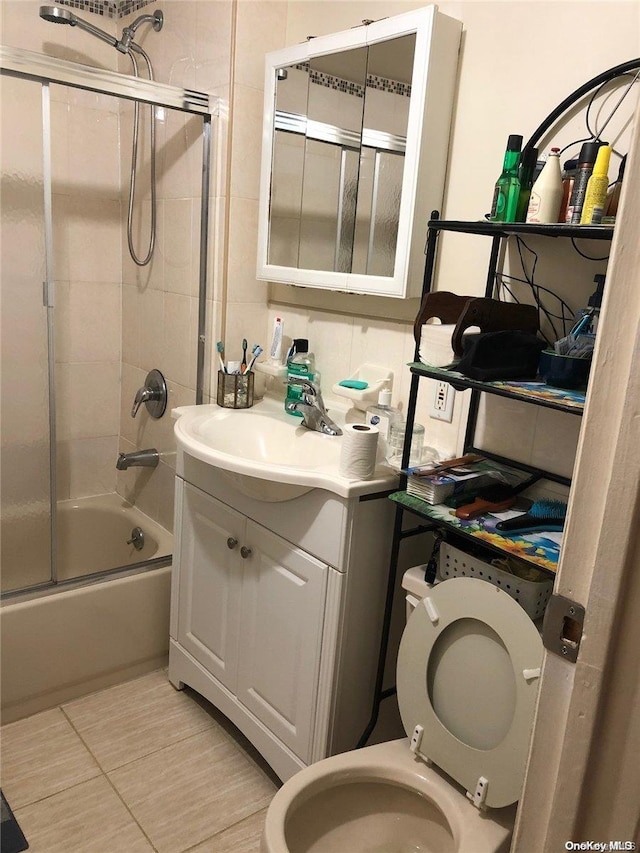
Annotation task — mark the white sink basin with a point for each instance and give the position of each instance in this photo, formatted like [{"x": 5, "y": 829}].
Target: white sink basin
[{"x": 265, "y": 443}]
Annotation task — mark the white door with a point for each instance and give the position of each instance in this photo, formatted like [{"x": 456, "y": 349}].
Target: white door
[
  {"x": 210, "y": 568},
  {"x": 282, "y": 612},
  {"x": 584, "y": 768}
]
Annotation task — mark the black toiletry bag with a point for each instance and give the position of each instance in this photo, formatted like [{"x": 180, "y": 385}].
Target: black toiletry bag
[{"x": 489, "y": 356}]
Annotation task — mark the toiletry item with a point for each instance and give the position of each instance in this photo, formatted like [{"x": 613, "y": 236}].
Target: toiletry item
[
  {"x": 275, "y": 350},
  {"x": 220, "y": 348},
  {"x": 596, "y": 194},
  {"x": 243, "y": 363},
  {"x": 593, "y": 306},
  {"x": 527, "y": 167},
  {"x": 586, "y": 161},
  {"x": 301, "y": 364},
  {"x": 233, "y": 367},
  {"x": 546, "y": 193},
  {"x": 507, "y": 188},
  {"x": 613, "y": 196},
  {"x": 543, "y": 515},
  {"x": 568, "y": 178},
  {"x": 358, "y": 451},
  {"x": 383, "y": 416},
  {"x": 256, "y": 352}
]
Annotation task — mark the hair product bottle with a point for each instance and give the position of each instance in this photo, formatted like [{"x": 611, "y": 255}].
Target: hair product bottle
[
  {"x": 546, "y": 193},
  {"x": 586, "y": 160},
  {"x": 526, "y": 169},
  {"x": 596, "y": 193},
  {"x": 613, "y": 196},
  {"x": 507, "y": 188},
  {"x": 568, "y": 177}
]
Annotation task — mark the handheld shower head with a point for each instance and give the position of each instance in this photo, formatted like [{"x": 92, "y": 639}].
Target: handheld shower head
[{"x": 56, "y": 15}]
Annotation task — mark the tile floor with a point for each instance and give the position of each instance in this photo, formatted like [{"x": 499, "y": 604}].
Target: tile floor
[{"x": 136, "y": 768}]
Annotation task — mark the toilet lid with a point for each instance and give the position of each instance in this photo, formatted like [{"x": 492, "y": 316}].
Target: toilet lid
[{"x": 468, "y": 673}]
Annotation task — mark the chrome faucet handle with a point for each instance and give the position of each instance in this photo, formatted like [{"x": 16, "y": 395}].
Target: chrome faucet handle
[
  {"x": 143, "y": 395},
  {"x": 153, "y": 394}
]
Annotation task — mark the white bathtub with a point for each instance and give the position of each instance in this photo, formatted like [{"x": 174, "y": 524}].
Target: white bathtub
[
  {"x": 70, "y": 642},
  {"x": 93, "y": 534}
]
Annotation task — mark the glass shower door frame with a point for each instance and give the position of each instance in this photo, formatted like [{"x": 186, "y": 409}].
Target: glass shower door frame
[{"x": 29, "y": 65}]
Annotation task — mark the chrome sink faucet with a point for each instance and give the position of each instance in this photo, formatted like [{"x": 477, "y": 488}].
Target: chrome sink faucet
[{"x": 311, "y": 407}]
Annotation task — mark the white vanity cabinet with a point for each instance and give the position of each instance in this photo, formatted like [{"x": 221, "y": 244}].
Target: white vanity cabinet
[{"x": 277, "y": 608}]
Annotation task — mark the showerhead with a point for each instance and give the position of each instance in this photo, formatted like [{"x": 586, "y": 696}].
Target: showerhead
[{"x": 56, "y": 15}]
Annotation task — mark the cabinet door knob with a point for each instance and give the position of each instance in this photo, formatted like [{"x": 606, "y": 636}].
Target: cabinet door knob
[
  {"x": 231, "y": 542},
  {"x": 245, "y": 552}
]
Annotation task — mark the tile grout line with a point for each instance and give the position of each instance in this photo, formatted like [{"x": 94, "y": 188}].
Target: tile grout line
[
  {"x": 109, "y": 782},
  {"x": 220, "y": 831}
]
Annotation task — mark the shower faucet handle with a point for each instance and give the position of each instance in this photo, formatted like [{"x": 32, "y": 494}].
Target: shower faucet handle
[{"x": 153, "y": 394}]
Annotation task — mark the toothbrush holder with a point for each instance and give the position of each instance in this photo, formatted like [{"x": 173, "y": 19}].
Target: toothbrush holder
[{"x": 235, "y": 390}]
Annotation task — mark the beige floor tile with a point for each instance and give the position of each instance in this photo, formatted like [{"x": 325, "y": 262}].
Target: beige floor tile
[
  {"x": 89, "y": 818},
  {"x": 242, "y": 837},
  {"x": 42, "y": 755},
  {"x": 188, "y": 792},
  {"x": 134, "y": 719}
]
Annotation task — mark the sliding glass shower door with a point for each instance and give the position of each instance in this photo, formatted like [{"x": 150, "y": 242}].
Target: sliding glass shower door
[{"x": 25, "y": 443}]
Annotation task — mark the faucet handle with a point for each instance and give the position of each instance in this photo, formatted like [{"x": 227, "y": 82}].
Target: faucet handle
[{"x": 153, "y": 394}]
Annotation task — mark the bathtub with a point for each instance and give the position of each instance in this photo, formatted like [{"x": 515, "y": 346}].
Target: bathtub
[
  {"x": 93, "y": 534},
  {"x": 87, "y": 634}
]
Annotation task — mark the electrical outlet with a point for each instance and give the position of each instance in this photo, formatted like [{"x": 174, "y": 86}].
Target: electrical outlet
[{"x": 442, "y": 402}]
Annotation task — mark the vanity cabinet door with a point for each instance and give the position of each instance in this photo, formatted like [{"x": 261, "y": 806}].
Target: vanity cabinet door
[
  {"x": 210, "y": 567},
  {"x": 281, "y": 621}
]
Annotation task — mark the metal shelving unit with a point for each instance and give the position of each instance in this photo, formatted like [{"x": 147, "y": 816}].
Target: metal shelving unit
[{"x": 497, "y": 232}]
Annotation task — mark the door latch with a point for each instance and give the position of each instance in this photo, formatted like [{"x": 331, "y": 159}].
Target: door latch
[{"x": 562, "y": 627}]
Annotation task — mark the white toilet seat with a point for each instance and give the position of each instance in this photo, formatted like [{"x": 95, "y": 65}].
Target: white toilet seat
[{"x": 467, "y": 674}]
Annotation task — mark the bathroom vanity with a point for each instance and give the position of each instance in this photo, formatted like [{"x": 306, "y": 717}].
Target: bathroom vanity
[{"x": 278, "y": 587}]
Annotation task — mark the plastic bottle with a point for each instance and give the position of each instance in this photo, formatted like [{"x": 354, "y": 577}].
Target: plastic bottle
[
  {"x": 546, "y": 193},
  {"x": 596, "y": 193},
  {"x": 568, "y": 178},
  {"x": 586, "y": 160},
  {"x": 301, "y": 364},
  {"x": 507, "y": 188},
  {"x": 526, "y": 169},
  {"x": 613, "y": 196},
  {"x": 384, "y": 417}
]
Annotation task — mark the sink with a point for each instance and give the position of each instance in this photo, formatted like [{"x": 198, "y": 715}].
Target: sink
[{"x": 264, "y": 443}]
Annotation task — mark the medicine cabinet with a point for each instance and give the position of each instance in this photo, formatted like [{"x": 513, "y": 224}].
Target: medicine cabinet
[{"x": 355, "y": 139}]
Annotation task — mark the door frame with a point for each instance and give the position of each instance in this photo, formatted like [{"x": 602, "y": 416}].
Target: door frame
[{"x": 583, "y": 773}]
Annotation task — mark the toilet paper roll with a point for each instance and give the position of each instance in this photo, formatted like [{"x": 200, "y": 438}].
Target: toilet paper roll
[{"x": 358, "y": 454}]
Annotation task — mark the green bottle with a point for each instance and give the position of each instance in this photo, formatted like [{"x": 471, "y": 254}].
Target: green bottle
[
  {"x": 507, "y": 188},
  {"x": 526, "y": 171}
]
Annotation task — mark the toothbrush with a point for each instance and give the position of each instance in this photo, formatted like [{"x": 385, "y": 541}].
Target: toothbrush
[
  {"x": 220, "y": 348},
  {"x": 243, "y": 363},
  {"x": 257, "y": 351}
]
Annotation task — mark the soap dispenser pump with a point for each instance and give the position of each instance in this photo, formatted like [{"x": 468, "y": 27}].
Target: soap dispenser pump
[{"x": 383, "y": 416}]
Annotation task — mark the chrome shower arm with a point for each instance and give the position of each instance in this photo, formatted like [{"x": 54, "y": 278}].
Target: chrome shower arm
[{"x": 95, "y": 31}]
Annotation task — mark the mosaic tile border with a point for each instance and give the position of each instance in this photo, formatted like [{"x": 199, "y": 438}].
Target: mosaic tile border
[
  {"x": 320, "y": 78},
  {"x": 107, "y": 8}
]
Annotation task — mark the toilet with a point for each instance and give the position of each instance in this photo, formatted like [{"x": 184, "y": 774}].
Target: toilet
[{"x": 467, "y": 679}]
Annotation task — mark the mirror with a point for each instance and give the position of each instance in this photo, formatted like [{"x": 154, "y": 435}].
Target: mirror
[{"x": 347, "y": 127}]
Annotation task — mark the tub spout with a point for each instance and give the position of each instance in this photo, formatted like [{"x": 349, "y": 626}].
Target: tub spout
[{"x": 138, "y": 459}]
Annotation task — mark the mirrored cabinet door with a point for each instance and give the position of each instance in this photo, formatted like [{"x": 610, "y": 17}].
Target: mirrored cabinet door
[{"x": 355, "y": 142}]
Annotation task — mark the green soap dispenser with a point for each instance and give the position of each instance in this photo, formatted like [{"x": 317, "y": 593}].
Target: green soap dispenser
[{"x": 301, "y": 364}]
